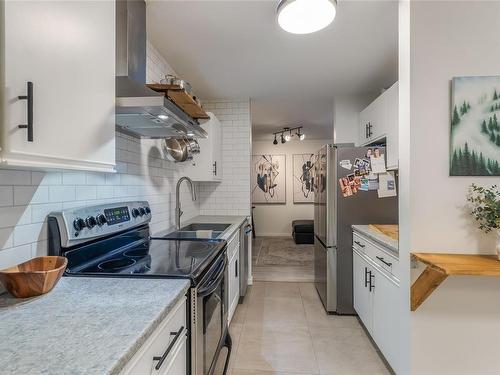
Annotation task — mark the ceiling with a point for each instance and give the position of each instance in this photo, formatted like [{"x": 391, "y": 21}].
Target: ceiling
[{"x": 235, "y": 49}]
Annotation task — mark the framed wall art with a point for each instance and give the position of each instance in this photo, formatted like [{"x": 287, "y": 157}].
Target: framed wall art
[
  {"x": 303, "y": 178},
  {"x": 269, "y": 179}
]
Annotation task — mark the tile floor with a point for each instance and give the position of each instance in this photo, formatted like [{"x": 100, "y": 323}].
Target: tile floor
[
  {"x": 282, "y": 329},
  {"x": 279, "y": 272}
]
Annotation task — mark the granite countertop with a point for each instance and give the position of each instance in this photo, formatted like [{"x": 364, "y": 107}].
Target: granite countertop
[
  {"x": 379, "y": 237},
  {"x": 84, "y": 325},
  {"x": 235, "y": 222}
]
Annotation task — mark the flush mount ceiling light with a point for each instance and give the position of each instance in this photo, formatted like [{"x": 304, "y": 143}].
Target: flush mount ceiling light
[{"x": 306, "y": 16}]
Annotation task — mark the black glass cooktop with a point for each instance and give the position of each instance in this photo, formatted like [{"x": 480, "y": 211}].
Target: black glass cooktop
[{"x": 135, "y": 254}]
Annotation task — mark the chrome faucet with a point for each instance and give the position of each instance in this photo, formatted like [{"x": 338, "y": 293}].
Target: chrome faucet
[{"x": 178, "y": 211}]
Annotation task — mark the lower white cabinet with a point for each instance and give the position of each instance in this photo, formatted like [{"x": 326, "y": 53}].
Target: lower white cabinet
[
  {"x": 165, "y": 351},
  {"x": 233, "y": 253},
  {"x": 375, "y": 301}
]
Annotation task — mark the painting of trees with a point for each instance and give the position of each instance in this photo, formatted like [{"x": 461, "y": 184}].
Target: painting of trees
[{"x": 475, "y": 127}]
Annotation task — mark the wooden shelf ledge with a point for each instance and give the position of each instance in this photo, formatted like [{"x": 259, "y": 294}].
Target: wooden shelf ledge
[{"x": 440, "y": 266}]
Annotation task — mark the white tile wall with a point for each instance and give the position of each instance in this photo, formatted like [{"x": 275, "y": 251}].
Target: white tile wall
[
  {"x": 26, "y": 197},
  {"x": 232, "y": 195}
]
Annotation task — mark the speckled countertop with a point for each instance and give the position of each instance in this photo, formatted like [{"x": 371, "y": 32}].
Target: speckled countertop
[
  {"x": 379, "y": 237},
  {"x": 84, "y": 325},
  {"x": 235, "y": 222}
]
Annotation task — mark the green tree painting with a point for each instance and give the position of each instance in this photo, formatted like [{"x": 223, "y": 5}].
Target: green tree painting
[{"x": 475, "y": 127}]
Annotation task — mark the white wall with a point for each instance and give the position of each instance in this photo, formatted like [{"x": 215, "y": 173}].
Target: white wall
[
  {"x": 346, "y": 110},
  {"x": 455, "y": 331},
  {"x": 276, "y": 219},
  {"x": 232, "y": 195}
]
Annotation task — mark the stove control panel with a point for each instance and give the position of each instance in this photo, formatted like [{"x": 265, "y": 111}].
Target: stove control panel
[{"x": 77, "y": 225}]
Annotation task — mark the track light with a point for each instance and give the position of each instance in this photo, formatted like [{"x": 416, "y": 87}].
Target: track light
[{"x": 286, "y": 134}]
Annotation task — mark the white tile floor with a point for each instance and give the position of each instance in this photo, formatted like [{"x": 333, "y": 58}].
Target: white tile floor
[{"x": 282, "y": 329}]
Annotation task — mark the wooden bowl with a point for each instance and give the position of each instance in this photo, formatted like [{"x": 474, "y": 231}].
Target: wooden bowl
[{"x": 35, "y": 277}]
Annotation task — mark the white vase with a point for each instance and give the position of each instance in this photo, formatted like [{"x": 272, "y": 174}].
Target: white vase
[{"x": 497, "y": 242}]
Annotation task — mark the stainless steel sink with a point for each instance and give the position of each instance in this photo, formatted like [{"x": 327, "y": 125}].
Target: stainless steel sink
[
  {"x": 205, "y": 226},
  {"x": 189, "y": 234}
]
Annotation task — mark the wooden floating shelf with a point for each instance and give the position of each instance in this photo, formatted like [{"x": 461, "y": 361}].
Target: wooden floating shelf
[
  {"x": 440, "y": 266},
  {"x": 182, "y": 99}
]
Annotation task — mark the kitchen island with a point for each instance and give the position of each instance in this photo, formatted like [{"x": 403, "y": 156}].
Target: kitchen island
[{"x": 84, "y": 325}]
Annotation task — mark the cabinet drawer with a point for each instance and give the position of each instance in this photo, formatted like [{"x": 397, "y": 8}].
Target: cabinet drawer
[
  {"x": 233, "y": 245},
  {"x": 178, "y": 364},
  {"x": 156, "y": 345},
  {"x": 377, "y": 254}
]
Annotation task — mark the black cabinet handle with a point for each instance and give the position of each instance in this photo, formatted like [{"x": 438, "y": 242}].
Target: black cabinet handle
[
  {"x": 359, "y": 244},
  {"x": 366, "y": 130},
  {"x": 215, "y": 168},
  {"x": 366, "y": 277},
  {"x": 370, "y": 129},
  {"x": 384, "y": 261},
  {"x": 29, "y": 101},
  {"x": 169, "y": 349},
  {"x": 372, "y": 285},
  {"x": 236, "y": 269}
]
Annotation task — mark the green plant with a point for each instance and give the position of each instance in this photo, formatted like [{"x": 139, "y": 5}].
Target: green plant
[{"x": 485, "y": 204}]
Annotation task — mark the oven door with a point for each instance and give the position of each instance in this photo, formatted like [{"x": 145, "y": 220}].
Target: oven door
[{"x": 211, "y": 318}]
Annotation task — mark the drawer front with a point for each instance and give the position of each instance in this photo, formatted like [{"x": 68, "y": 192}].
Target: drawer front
[
  {"x": 377, "y": 254},
  {"x": 233, "y": 245},
  {"x": 157, "y": 344}
]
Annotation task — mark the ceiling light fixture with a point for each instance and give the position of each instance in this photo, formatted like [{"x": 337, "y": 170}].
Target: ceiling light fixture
[
  {"x": 286, "y": 134},
  {"x": 306, "y": 16}
]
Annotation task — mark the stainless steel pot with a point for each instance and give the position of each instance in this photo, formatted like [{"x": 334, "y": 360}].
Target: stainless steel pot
[{"x": 175, "y": 149}]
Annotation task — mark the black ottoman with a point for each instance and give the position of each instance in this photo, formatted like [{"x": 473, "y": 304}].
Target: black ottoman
[{"x": 303, "y": 231}]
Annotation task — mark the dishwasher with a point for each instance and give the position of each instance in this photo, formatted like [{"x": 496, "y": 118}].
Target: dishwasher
[{"x": 245, "y": 232}]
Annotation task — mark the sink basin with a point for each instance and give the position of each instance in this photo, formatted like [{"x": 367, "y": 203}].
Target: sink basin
[
  {"x": 190, "y": 234},
  {"x": 205, "y": 226}
]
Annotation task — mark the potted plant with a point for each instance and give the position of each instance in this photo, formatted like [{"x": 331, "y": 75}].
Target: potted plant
[{"x": 485, "y": 204}]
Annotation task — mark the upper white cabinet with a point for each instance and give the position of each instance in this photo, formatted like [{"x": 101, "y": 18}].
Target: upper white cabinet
[
  {"x": 207, "y": 165},
  {"x": 380, "y": 120},
  {"x": 67, "y": 50}
]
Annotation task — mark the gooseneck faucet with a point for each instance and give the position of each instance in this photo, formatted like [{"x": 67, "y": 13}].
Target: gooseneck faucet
[{"x": 178, "y": 211}]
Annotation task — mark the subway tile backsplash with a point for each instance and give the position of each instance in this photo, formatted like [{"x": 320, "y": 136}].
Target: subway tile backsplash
[{"x": 26, "y": 197}]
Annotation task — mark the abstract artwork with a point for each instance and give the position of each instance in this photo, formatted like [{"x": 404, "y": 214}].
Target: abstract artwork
[
  {"x": 303, "y": 178},
  {"x": 475, "y": 126},
  {"x": 268, "y": 179}
]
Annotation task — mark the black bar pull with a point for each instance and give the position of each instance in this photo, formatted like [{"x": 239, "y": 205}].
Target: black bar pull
[
  {"x": 359, "y": 244},
  {"x": 236, "y": 269},
  {"x": 372, "y": 285},
  {"x": 366, "y": 130},
  {"x": 215, "y": 168},
  {"x": 366, "y": 277},
  {"x": 29, "y": 100},
  {"x": 169, "y": 349},
  {"x": 370, "y": 129},
  {"x": 389, "y": 264}
]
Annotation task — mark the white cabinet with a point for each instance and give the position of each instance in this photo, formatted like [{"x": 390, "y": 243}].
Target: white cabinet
[
  {"x": 362, "y": 295},
  {"x": 385, "y": 330},
  {"x": 375, "y": 292},
  {"x": 166, "y": 348},
  {"x": 233, "y": 254},
  {"x": 67, "y": 50},
  {"x": 379, "y": 121},
  {"x": 207, "y": 165}
]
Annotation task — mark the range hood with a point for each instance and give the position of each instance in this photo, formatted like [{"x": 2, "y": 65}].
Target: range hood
[{"x": 140, "y": 111}]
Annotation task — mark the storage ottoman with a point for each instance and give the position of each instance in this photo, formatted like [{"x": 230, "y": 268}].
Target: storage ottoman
[{"x": 303, "y": 231}]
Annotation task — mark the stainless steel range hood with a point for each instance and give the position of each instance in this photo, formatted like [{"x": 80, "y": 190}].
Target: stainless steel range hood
[{"x": 140, "y": 111}]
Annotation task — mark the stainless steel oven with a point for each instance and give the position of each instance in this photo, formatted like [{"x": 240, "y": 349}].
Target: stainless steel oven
[{"x": 209, "y": 318}]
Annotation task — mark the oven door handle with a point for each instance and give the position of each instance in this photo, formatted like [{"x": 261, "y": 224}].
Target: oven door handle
[{"x": 214, "y": 281}]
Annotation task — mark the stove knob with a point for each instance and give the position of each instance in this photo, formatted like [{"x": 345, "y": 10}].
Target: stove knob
[
  {"x": 142, "y": 211},
  {"x": 148, "y": 210},
  {"x": 101, "y": 220},
  {"x": 91, "y": 222},
  {"x": 79, "y": 224},
  {"x": 135, "y": 212}
]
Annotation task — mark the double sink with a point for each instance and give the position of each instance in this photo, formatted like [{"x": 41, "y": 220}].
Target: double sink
[{"x": 199, "y": 230}]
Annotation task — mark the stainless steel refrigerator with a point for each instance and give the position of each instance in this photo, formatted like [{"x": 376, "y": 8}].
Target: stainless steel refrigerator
[{"x": 333, "y": 217}]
